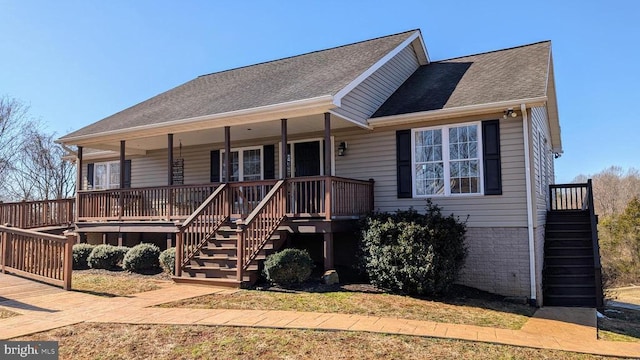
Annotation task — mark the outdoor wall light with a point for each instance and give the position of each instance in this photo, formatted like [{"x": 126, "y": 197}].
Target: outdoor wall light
[
  {"x": 509, "y": 112},
  {"x": 342, "y": 148}
]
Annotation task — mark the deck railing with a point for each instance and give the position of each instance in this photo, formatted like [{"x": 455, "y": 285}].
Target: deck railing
[
  {"x": 597, "y": 266},
  {"x": 258, "y": 227},
  {"x": 201, "y": 226},
  {"x": 305, "y": 197},
  {"x": 39, "y": 256},
  {"x": 568, "y": 196},
  {"x": 148, "y": 203},
  {"x": 37, "y": 214}
]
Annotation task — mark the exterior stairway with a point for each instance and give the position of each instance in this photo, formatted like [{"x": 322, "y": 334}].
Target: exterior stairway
[
  {"x": 216, "y": 262},
  {"x": 569, "y": 272}
]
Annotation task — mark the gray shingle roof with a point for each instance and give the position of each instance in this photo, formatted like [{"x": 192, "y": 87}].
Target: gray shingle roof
[
  {"x": 510, "y": 74},
  {"x": 295, "y": 78}
]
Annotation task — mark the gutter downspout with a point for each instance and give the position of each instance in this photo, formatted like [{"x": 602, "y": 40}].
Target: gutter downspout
[{"x": 527, "y": 174}]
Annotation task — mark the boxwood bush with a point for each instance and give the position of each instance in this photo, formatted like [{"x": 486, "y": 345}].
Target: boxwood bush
[
  {"x": 142, "y": 258},
  {"x": 288, "y": 267},
  {"x": 80, "y": 254},
  {"x": 105, "y": 257},
  {"x": 168, "y": 260},
  {"x": 412, "y": 253}
]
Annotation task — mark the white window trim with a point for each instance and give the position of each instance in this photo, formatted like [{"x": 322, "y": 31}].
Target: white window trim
[
  {"x": 446, "y": 161},
  {"x": 108, "y": 165},
  {"x": 283, "y": 167},
  {"x": 240, "y": 151}
]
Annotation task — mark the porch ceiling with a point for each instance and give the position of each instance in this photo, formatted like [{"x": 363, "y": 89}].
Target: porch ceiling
[{"x": 239, "y": 133}]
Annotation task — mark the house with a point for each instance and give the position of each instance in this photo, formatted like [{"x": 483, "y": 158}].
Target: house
[{"x": 317, "y": 140}]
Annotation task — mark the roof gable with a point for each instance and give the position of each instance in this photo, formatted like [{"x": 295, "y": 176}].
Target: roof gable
[
  {"x": 296, "y": 78},
  {"x": 493, "y": 77}
]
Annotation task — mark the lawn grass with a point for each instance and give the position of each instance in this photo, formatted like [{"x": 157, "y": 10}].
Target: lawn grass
[
  {"x": 469, "y": 311},
  {"x": 111, "y": 284},
  {"x": 121, "y": 341}
]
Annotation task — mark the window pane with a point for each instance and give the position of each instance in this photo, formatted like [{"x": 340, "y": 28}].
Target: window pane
[
  {"x": 251, "y": 165},
  {"x": 114, "y": 175},
  {"x": 464, "y": 171},
  {"x": 100, "y": 176}
]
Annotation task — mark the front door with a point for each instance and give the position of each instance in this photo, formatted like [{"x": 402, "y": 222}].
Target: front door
[{"x": 307, "y": 158}]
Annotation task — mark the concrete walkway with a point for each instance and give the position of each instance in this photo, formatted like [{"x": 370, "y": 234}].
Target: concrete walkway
[{"x": 44, "y": 308}]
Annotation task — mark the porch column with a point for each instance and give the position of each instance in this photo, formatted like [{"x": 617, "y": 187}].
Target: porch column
[
  {"x": 327, "y": 175},
  {"x": 284, "y": 152},
  {"x": 327, "y": 144},
  {"x": 170, "y": 175},
  {"x": 227, "y": 152},
  {"x": 169, "y": 159},
  {"x": 122, "y": 179},
  {"x": 78, "y": 183},
  {"x": 328, "y": 251}
]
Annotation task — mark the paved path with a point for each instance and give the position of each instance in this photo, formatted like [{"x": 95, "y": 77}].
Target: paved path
[{"x": 44, "y": 308}]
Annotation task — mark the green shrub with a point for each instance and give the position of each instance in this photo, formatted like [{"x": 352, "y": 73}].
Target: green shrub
[
  {"x": 168, "y": 260},
  {"x": 288, "y": 267},
  {"x": 80, "y": 254},
  {"x": 105, "y": 257},
  {"x": 412, "y": 253},
  {"x": 142, "y": 258}
]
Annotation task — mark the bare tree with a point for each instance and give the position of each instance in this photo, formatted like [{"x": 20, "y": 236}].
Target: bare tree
[
  {"x": 41, "y": 172},
  {"x": 13, "y": 120},
  {"x": 613, "y": 188}
]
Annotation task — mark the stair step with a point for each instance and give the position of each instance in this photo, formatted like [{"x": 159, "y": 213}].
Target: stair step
[
  {"x": 231, "y": 283},
  {"x": 570, "y": 301},
  {"x": 570, "y": 290},
  {"x": 568, "y": 251},
  {"x": 550, "y": 269},
  {"x": 568, "y": 260},
  {"x": 217, "y": 268}
]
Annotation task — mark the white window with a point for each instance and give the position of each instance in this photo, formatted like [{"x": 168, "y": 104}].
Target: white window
[
  {"x": 106, "y": 175},
  {"x": 447, "y": 160},
  {"x": 246, "y": 164}
]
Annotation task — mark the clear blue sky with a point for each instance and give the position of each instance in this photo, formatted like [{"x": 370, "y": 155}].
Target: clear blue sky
[{"x": 76, "y": 62}]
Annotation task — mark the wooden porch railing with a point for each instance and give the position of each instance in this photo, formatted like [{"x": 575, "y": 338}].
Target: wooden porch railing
[
  {"x": 201, "y": 226},
  {"x": 149, "y": 203},
  {"x": 36, "y": 214},
  {"x": 258, "y": 227},
  {"x": 39, "y": 256},
  {"x": 568, "y": 196},
  {"x": 597, "y": 266},
  {"x": 305, "y": 197}
]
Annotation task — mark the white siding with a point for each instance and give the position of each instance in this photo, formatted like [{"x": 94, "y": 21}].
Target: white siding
[
  {"x": 366, "y": 98},
  {"x": 542, "y": 161},
  {"x": 373, "y": 155}
]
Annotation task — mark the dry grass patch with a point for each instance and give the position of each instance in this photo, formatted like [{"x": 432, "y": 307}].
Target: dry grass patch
[
  {"x": 457, "y": 310},
  {"x": 115, "y": 283},
  {"x": 4, "y": 314},
  {"x": 120, "y": 341}
]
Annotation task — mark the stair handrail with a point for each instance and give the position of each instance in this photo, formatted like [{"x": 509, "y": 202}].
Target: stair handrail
[
  {"x": 216, "y": 206},
  {"x": 256, "y": 230},
  {"x": 597, "y": 267}
]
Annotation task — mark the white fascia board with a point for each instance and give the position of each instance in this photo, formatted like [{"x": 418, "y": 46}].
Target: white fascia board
[
  {"x": 457, "y": 111},
  {"x": 424, "y": 49},
  {"x": 337, "y": 98},
  {"x": 356, "y": 122},
  {"x": 238, "y": 117}
]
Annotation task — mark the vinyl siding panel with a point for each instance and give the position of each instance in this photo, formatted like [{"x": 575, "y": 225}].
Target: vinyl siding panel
[
  {"x": 542, "y": 162},
  {"x": 372, "y": 154},
  {"x": 366, "y": 98}
]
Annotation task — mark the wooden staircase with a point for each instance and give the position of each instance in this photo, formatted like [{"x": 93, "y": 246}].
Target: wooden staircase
[
  {"x": 572, "y": 273},
  {"x": 569, "y": 278},
  {"x": 216, "y": 263},
  {"x": 212, "y": 249}
]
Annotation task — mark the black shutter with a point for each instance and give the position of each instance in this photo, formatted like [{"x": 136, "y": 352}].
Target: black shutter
[
  {"x": 215, "y": 166},
  {"x": 403, "y": 162},
  {"x": 90, "y": 176},
  {"x": 269, "y": 166},
  {"x": 127, "y": 174},
  {"x": 491, "y": 157}
]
